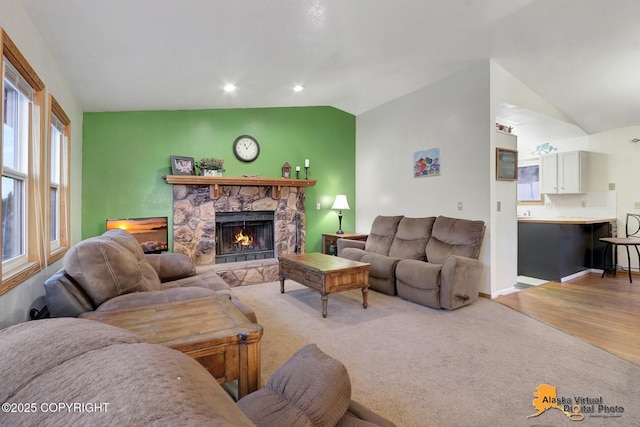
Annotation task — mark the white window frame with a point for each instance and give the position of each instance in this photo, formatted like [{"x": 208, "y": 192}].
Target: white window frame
[
  {"x": 58, "y": 119},
  {"x": 17, "y": 270}
]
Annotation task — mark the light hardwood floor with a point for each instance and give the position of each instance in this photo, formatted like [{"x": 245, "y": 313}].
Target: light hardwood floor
[{"x": 605, "y": 312}]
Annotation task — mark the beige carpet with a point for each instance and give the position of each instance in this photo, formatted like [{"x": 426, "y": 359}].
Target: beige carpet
[{"x": 476, "y": 366}]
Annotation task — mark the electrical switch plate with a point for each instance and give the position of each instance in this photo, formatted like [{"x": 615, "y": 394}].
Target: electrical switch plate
[
  {"x": 459, "y": 206},
  {"x": 612, "y": 186},
  {"x": 318, "y": 206},
  {"x": 499, "y": 206},
  {"x": 636, "y": 205}
]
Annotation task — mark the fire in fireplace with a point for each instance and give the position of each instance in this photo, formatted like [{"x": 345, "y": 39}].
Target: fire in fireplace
[{"x": 244, "y": 236}]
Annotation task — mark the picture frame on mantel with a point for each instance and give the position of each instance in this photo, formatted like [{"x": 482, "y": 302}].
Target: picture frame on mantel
[
  {"x": 506, "y": 164},
  {"x": 181, "y": 165}
]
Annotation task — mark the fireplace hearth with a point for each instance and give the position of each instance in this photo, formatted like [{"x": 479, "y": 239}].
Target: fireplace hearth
[{"x": 244, "y": 236}]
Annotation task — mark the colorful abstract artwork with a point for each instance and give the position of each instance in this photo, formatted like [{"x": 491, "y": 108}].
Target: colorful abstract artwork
[{"x": 426, "y": 163}]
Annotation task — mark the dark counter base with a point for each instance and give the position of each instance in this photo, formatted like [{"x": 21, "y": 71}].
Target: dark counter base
[{"x": 553, "y": 251}]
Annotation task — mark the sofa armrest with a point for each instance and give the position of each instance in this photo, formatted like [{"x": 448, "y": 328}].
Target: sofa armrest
[
  {"x": 171, "y": 266},
  {"x": 460, "y": 281},
  {"x": 349, "y": 243},
  {"x": 64, "y": 296}
]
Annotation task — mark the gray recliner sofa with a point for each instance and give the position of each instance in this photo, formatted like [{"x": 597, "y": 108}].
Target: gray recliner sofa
[
  {"x": 111, "y": 272},
  {"x": 432, "y": 261}
]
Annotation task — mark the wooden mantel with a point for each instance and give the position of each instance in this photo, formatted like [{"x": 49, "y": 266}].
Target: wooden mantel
[{"x": 216, "y": 183}]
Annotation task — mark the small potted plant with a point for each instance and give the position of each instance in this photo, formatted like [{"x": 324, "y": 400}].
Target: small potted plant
[{"x": 210, "y": 166}]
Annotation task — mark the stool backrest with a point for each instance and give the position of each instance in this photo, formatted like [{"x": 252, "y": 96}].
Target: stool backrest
[{"x": 633, "y": 225}]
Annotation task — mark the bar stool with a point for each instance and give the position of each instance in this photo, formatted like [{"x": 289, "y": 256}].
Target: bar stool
[{"x": 632, "y": 239}]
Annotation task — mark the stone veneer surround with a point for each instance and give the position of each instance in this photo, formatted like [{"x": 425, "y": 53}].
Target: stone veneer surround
[{"x": 194, "y": 225}]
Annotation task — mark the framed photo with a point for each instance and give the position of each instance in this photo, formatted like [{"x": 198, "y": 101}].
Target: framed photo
[
  {"x": 506, "y": 164},
  {"x": 182, "y": 165}
]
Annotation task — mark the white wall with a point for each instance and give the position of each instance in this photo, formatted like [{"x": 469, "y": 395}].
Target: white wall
[
  {"x": 453, "y": 115},
  {"x": 504, "y": 272},
  {"x": 15, "y": 304}
]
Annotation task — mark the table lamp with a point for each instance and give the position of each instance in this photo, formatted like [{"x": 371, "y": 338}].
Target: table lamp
[{"x": 340, "y": 203}]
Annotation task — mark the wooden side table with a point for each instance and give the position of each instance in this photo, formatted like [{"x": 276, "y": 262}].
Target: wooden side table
[
  {"x": 331, "y": 240},
  {"x": 211, "y": 330}
]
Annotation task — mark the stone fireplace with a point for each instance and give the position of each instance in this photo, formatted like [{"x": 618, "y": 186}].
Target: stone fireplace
[{"x": 197, "y": 230}]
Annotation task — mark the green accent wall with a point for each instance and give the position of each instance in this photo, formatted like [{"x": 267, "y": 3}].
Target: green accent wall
[{"x": 125, "y": 156}]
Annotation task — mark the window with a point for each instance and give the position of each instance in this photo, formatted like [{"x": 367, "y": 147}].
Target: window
[
  {"x": 18, "y": 97},
  {"x": 59, "y": 130},
  {"x": 529, "y": 182},
  {"x": 22, "y": 168}
]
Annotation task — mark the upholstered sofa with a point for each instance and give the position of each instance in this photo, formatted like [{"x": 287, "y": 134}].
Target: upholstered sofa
[
  {"x": 431, "y": 261},
  {"x": 111, "y": 272},
  {"x": 69, "y": 371}
]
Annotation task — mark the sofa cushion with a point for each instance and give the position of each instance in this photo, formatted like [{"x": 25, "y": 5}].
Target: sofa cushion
[
  {"x": 454, "y": 236},
  {"x": 310, "y": 389},
  {"x": 126, "y": 240},
  {"x": 353, "y": 254},
  {"x": 133, "y": 383},
  {"x": 139, "y": 299},
  {"x": 383, "y": 230},
  {"x": 204, "y": 279},
  {"x": 32, "y": 348},
  {"x": 420, "y": 275},
  {"x": 411, "y": 239},
  {"x": 104, "y": 269}
]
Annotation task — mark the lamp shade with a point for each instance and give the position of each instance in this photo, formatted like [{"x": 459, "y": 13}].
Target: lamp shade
[{"x": 340, "y": 202}]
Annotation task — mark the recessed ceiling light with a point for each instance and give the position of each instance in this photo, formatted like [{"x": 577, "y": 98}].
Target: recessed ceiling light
[
  {"x": 298, "y": 88},
  {"x": 229, "y": 87}
]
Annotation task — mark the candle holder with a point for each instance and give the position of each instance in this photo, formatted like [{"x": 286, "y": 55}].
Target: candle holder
[
  {"x": 297, "y": 174},
  {"x": 306, "y": 172}
]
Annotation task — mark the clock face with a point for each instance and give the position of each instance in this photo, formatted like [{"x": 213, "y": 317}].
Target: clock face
[{"x": 246, "y": 148}]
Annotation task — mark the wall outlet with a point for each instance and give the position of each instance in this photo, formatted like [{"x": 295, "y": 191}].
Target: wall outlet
[
  {"x": 459, "y": 206},
  {"x": 318, "y": 206},
  {"x": 547, "y": 204},
  {"x": 584, "y": 203},
  {"x": 636, "y": 205}
]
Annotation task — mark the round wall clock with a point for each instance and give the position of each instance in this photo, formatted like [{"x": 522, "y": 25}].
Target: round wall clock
[{"x": 246, "y": 148}]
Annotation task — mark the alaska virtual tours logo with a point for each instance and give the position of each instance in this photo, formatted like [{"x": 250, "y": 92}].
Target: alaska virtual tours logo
[{"x": 574, "y": 408}]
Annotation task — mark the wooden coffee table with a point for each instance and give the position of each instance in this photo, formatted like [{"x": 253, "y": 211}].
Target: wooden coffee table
[
  {"x": 325, "y": 273},
  {"x": 211, "y": 330}
]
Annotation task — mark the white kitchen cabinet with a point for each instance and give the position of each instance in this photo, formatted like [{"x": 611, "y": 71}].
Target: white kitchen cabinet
[{"x": 563, "y": 173}]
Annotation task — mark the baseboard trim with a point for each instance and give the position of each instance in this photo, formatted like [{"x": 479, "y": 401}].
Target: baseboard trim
[{"x": 579, "y": 274}]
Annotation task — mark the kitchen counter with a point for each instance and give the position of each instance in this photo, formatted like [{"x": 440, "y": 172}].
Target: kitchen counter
[
  {"x": 556, "y": 248},
  {"x": 565, "y": 220}
]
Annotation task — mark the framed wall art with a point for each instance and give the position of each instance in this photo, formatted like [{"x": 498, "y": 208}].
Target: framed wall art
[
  {"x": 426, "y": 163},
  {"x": 506, "y": 164},
  {"x": 182, "y": 165}
]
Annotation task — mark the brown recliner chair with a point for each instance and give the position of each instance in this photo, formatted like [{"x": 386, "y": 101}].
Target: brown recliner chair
[{"x": 111, "y": 272}]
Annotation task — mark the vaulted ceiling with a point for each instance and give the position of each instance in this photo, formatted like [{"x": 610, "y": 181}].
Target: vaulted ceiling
[{"x": 582, "y": 56}]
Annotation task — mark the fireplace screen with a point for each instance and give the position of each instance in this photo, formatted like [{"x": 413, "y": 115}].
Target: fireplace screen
[{"x": 244, "y": 236}]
